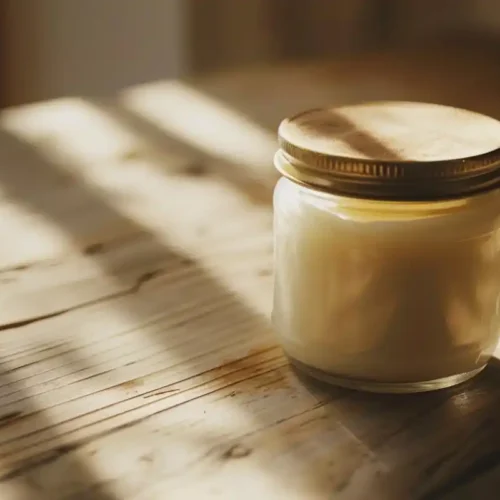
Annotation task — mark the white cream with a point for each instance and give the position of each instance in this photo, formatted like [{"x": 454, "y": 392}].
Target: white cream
[{"x": 384, "y": 291}]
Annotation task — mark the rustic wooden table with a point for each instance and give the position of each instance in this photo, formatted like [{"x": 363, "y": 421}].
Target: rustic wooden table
[{"x": 137, "y": 360}]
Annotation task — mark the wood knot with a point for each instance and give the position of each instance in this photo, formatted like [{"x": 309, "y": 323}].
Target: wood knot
[
  {"x": 195, "y": 170},
  {"x": 236, "y": 451},
  {"x": 144, "y": 278},
  {"x": 21, "y": 267},
  {"x": 186, "y": 262},
  {"x": 93, "y": 249},
  {"x": 130, "y": 155}
]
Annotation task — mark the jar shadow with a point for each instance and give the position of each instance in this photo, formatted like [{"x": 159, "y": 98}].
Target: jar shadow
[{"x": 442, "y": 444}]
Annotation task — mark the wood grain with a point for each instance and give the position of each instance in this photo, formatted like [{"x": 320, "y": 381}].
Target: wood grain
[{"x": 136, "y": 355}]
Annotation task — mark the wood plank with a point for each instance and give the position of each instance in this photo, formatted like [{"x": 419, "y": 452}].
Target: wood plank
[{"x": 136, "y": 356}]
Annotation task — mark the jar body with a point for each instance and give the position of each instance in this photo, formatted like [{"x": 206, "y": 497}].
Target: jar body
[{"x": 386, "y": 296}]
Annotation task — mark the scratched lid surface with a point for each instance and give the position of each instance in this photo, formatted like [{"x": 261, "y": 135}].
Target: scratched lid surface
[{"x": 392, "y": 150}]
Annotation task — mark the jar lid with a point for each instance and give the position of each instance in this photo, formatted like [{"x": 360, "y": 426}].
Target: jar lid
[{"x": 392, "y": 150}]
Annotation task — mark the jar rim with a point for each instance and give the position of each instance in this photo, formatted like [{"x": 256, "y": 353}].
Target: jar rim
[{"x": 311, "y": 156}]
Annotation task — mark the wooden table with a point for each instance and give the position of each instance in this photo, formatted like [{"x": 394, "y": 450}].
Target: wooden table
[{"x": 137, "y": 360}]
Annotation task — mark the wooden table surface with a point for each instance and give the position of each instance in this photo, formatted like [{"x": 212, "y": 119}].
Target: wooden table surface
[{"x": 137, "y": 359}]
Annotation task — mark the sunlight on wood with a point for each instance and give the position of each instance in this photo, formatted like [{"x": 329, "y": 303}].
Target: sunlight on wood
[
  {"x": 83, "y": 140},
  {"x": 206, "y": 124},
  {"x": 46, "y": 124},
  {"x": 99, "y": 367}
]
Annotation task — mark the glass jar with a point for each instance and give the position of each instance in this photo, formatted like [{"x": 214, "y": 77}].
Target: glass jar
[{"x": 387, "y": 245}]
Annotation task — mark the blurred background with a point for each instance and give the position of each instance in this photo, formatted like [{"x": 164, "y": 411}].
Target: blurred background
[
  {"x": 203, "y": 84},
  {"x": 54, "y": 48}
]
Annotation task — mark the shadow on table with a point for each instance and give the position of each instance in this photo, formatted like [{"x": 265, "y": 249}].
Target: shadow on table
[
  {"x": 22, "y": 168},
  {"x": 431, "y": 444},
  {"x": 438, "y": 445},
  {"x": 255, "y": 187},
  {"x": 57, "y": 482}
]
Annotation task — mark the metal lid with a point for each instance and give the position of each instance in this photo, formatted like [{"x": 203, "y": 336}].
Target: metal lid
[{"x": 392, "y": 150}]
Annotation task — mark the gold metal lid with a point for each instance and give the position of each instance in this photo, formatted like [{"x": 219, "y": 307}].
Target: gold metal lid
[{"x": 392, "y": 150}]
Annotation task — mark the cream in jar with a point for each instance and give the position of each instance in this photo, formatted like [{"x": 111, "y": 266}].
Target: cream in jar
[{"x": 387, "y": 244}]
